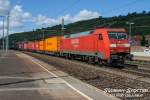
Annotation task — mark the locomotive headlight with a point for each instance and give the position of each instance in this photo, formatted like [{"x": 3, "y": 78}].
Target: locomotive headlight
[
  {"x": 113, "y": 45},
  {"x": 127, "y": 45}
]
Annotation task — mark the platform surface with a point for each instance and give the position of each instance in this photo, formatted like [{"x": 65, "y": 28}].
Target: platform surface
[
  {"x": 140, "y": 53},
  {"x": 141, "y": 56},
  {"x": 26, "y": 78}
]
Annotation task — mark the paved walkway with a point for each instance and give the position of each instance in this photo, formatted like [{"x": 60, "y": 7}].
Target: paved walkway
[{"x": 25, "y": 78}]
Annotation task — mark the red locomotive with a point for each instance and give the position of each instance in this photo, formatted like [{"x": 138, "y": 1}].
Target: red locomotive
[{"x": 102, "y": 45}]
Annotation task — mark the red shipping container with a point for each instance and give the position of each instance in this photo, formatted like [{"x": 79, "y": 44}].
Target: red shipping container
[
  {"x": 25, "y": 45},
  {"x": 36, "y": 45},
  {"x": 20, "y": 45},
  {"x": 30, "y": 45}
]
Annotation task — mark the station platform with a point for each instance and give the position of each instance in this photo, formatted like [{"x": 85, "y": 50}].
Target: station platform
[
  {"x": 141, "y": 56},
  {"x": 140, "y": 53},
  {"x": 23, "y": 77}
]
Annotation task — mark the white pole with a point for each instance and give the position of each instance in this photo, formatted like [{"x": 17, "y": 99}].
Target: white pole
[
  {"x": 7, "y": 39},
  {"x": 62, "y": 25},
  {"x": 130, "y": 31},
  {"x": 3, "y": 34}
]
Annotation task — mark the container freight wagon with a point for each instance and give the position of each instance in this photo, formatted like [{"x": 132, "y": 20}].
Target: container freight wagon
[
  {"x": 52, "y": 44},
  {"x": 25, "y": 45},
  {"x": 41, "y": 45},
  {"x": 31, "y": 46},
  {"x": 20, "y": 45},
  {"x": 28, "y": 45},
  {"x": 36, "y": 43}
]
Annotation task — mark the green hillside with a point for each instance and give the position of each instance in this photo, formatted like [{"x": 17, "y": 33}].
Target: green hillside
[{"x": 141, "y": 26}]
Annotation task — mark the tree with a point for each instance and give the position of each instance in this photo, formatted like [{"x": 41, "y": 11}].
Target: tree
[
  {"x": 143, "y": 12},
  {"x": 149, "y": 13},
  {"x": 143, "y": 42}
]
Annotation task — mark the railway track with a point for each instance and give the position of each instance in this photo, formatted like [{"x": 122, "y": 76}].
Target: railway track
[
  {"x": 145, "y": 65},
  {"x": 100, "y": 76},
  {"x": 138, "y": 67},
  {"x": 143, "y": 73}
]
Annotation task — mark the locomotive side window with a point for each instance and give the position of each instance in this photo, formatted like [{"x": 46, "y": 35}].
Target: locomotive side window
[{"x": 100, "y": 37}]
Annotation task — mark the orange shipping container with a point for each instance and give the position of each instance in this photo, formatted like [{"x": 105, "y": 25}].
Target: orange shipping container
[
  {"x": 41, "y": 45},
  {"x": 52, "y": 44}
]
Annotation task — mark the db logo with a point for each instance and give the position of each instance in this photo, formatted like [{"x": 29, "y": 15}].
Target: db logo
[
  {"x": 147, "y": 51},
  {"x": 75, "y": 42}
]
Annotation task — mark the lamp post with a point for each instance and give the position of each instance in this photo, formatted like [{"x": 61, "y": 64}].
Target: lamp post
[
  {"x": 62, "y": 26},
  {"x": 3, "y": 34},
  {"x": 7, "y": 36},
  {"x": 130, "y": 29},
  {"x": 3, "y": 28}
]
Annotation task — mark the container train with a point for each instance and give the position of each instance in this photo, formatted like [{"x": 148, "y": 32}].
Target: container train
[{"x": 101, "y": 45}]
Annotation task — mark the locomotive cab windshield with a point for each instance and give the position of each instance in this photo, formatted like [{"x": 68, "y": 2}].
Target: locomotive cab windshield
[
  {"x": 117, "y": 35},
  {"x": 119, "y": 42},
  {"x": 119, "y": 45}
]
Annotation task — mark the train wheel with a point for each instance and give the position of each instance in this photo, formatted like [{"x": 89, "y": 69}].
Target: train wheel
[
  {"x": 94, "y": 60},
  {"x": 91, "y": 60},
  {"x": 71, "y": 57},
  {"x": 82, "y": 58},
  {"x": 100, "y": 62},
  {"x": 66, "y": 56},
  {"x": 86, "y": 59}
]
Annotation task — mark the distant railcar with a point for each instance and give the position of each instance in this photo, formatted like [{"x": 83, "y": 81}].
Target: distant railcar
[
  {"x": 41, "y": 45},
  {"x": 36, "y": 44},
  {"x": 20, "y": 46},
  {"x": 31, "y": 46},
  {"x": 25, "y": 45}
]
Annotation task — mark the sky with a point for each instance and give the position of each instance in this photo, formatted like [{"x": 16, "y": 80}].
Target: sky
[{"x": 26, "y": 15}]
